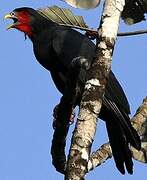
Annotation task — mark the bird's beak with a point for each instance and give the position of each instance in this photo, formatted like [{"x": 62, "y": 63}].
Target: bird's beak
[{"x": 9, "y": 16}]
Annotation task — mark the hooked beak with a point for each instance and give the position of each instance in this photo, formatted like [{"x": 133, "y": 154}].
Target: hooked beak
[{"x": 14, "y": 18}]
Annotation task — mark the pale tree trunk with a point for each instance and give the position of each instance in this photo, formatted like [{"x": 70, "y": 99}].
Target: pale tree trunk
[{"x": 94, "y": 90}]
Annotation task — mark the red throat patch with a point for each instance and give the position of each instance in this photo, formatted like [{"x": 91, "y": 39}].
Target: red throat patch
[{"x": 24, "y": 23}]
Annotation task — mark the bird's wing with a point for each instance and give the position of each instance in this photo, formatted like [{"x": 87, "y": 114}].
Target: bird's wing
[
  {"x": 117, "y": 93},
  {"x": 69, "y": 44}
]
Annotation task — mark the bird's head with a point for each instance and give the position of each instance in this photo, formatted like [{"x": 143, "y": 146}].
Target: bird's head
[{"x": 25, "y": 19}]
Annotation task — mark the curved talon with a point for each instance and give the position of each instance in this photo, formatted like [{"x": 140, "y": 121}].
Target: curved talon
[{"x": 91, "y": 35}]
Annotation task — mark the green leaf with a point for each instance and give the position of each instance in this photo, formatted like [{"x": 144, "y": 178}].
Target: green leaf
[{"x": 63, "y": 17}]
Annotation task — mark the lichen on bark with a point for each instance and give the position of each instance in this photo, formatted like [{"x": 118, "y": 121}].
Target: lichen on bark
[{"x": 94, "y": 90}]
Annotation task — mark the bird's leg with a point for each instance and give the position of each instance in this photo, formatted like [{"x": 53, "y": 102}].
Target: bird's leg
[
  {"x": 91, "y": 34},
  {"x": 63, "y": 114},
  {"x": 77, "y": 72}
]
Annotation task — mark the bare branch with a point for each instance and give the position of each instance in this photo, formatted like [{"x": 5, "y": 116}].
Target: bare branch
[
  {"x": 140, "y": 124},
  {"x": 94, "y": 33},
  {"x": 94, "y": 91},
  {"x": 78, "y": 163},
  {"x": 100, "y": 156},
  {"x": 133, "y": 33}
]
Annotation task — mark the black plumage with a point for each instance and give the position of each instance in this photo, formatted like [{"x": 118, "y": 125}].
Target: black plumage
[{"x": 62, "y": 50}]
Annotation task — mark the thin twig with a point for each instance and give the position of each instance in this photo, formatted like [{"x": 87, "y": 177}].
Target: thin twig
[
  {"x": 120, "y": 34},
  {"x": 132, "y": 33}
]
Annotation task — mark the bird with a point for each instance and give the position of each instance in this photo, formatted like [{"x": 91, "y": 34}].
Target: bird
[{"x": 67, "y": 54}]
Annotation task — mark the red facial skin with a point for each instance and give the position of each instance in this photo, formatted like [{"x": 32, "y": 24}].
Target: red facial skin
[{"x": 23, "y": 23}]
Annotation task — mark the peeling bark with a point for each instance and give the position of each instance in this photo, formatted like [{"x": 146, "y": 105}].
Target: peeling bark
[
  {"x": 94, "y": 90},
  {"x": 100, "y": 156}
]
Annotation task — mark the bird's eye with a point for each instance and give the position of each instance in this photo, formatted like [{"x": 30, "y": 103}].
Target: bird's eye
[{"x": 12, "y": 13}]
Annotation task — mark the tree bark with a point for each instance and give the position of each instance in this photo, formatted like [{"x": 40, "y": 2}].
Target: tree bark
[
  {"x": 139, "y": 122},
  {"x": 94, "y": 90}
]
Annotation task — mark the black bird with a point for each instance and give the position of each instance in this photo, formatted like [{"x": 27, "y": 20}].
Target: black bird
[{"x": 67, "y": 54}]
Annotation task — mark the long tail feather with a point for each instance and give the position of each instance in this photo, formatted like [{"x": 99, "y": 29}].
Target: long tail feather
[
  {"x": 124, "y": 121},
  {"x": 120, "y": 149},
  {"x": 121, "y": 135}
]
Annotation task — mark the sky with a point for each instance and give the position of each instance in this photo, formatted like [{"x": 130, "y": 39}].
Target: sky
[{"x": 28, "y": 96}]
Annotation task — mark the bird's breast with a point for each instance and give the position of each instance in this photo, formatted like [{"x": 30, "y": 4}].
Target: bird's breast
[{"x": 43, "y": 56}]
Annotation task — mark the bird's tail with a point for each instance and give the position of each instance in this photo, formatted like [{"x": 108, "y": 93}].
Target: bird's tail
[{"x": 121, "y": 135}]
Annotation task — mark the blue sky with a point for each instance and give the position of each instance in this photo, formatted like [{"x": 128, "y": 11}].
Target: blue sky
[{"x": 28, "y": 95}]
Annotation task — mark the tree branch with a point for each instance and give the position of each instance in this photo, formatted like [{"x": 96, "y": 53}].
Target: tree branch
[
  {"x": 139, "y": 122},
  {"x": 93, "y": 33},
  {"x": 94, "y": 90},
  {"x": 144, "y": 31}
]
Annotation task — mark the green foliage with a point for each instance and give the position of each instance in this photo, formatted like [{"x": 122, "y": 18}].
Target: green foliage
[{"x": 63, "y": 17}]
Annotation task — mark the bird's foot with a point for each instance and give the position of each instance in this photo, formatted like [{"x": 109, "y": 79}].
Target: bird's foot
[
  {"x": 91, "y": 34},
  {"x": 55, "y": 117}
]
